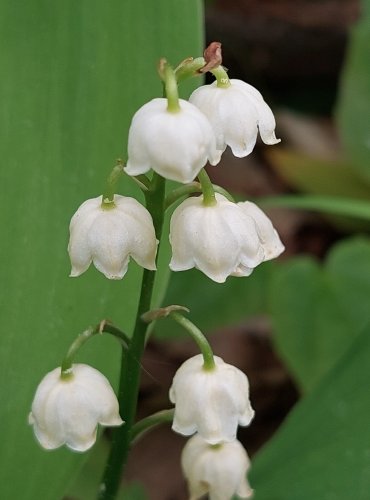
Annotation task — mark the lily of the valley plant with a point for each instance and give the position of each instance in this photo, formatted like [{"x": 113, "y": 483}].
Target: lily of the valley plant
[{"x": 169, "y": 138}]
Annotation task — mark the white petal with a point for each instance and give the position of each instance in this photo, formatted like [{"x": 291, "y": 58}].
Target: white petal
[
  {"x": 219, "y": 471},
  {"x": 211, "y": 403},
  {"x": 235, "y": 113},
  {"x": 109, "y": 236},
  {"x": 266, "y": 119},
  {"x": 176, "y": 145},
  {"x": 68, "y": 411},
  {"x": 269, "y": 238},
  {"x": 80, "y": 225},
  {"x": 219, "y": 240}
]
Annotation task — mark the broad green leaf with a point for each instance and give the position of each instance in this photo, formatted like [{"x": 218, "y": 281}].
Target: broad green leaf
[
  {"x": 88, "y": 480},
  {"x": 73, "y": 74},
  {"x": 354, "y": 100},
  {"x": 319, "y": 176},
  {"x": 322, "y": 450},
  {"x": 339, "y": 190},
  {"x": 214, "y": 305},
  {"x": 318, "y": 310},
  {"x": 327, "y": 204}
]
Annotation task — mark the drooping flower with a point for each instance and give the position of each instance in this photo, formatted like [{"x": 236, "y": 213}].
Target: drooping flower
[
  {"x": 267, "y": 234},
  {"x": 236, "y": 113},
  {"x": 176, "y": 145},
  {"x": 221, "y": 240},
  {"x": 210, "y": 402},
  {"x": 219, "y": 470},
  {"x": 108, "y": 237},
  {"x": 68, "y": 410}
]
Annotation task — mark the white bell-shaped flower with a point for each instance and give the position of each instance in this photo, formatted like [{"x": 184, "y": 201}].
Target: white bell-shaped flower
[
  {"x": 68, "y": 410},
  {"x": 268, "y": 236},
  {"x": 176, "y": 145},
  {"x": 108, "y": 237},
  {"x": 210, "y": 402},
  {"x": 219, "y": 470},
  {"x": 221, "y": 240},
  {"x": 236, "y": 113}
]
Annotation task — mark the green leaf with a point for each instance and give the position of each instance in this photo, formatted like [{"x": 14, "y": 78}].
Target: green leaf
[
  {"x": 87, "y": 483},
  {"x": 326, "y": 204},
  {"x": 73, "y": 74},
  {"x": 322, "y": 449},
  {"x": 318, "y": 176},
  {"x": 337, "y": 186},
  {"x": 353, "y": 109},
  {"x": 317, "y": 311}
]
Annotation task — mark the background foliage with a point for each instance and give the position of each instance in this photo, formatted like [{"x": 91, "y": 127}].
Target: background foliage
[{"x": 73, "y": 74}]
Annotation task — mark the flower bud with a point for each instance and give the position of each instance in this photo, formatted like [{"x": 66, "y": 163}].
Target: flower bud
[
  {"x": 68, "y": 410},
  {"x": 176, "y": 145},
  {"x": 221, "y": 240},
  {"x": 108, "y": 237},
  {"x": 210, "y": 402},
  {"x": 219, "y": 470},
  {"x": 236, "y": 113}
]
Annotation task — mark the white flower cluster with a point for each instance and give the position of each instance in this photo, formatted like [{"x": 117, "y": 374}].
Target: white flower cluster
[
  {"x": 212, "y": 403},
  {"x": 226, "y": 239},
  {"x": 208, "y": 232}
]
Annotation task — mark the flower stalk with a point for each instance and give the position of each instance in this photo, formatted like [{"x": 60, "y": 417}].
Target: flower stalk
[
  {"x": 209, "y": 197},
  {"x": 111, "y": 187},
  {"x": 130, "y": 365},
  {"x": 147, "y": 423},
  {"x": 199, "y": 338},
  {"x": 188, "y": 68},
  {"x": 171, "y": 90},
  {"x": 220, "y": 73},
  {"x": 82, "y": 338}
]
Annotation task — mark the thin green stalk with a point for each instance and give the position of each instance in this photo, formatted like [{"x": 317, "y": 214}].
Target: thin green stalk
[
  {"x": 147, "y": 423},
  {"x": 171, "y": 90},
  {"x": 180, "y": 192},
  {"x": 130, "y": 362},
  {"x": 200, "y": 339},
  {"x": 221, "y": 190},
  {"x": 110, "y": 189},
  {"x": 220, "y": 73},
  {"x": 192, "y": 188},
  {"x": 188, "y": 68},
  {"x": 209, "y": 198},
  {"x": 82, "y": 338}
]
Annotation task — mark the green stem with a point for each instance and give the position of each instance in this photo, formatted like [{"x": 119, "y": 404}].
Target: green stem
[
  {"x": 160, "y": 417},
  {"x": 142, "y": 181},
  {"x": 221, "y": 190},
  {"x": 180, "y": 192},
  {"x": 193, "y": 187},
  {"x": 209, "y": 198},
  {"x": 110, "y": 189},
  {"x": 116, "y": 332},
  {"x": 82, "y": 338},
  {"x": 189, "y": 68},
  {"x": 130, "y": 362},
  {"x": 66, "y": 367},
  {"x": 223, "y": 81},
  {"x": 171, "y": 90},
  {"x": 200, "y": 339}
]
